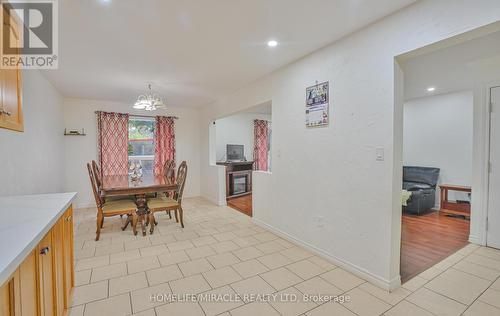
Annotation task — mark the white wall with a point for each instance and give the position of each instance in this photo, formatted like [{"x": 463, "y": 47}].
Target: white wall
[
  {"x": 237, "y": 129},
  {"x": 79, "y": 113},
  {"x": 32, "y": 162},
  {"x": 438, "y": 133},
  {"x": 332, "y": 172}
]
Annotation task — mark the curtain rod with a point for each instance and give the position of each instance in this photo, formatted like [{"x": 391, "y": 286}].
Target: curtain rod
[{"x": 150, "y": 116}]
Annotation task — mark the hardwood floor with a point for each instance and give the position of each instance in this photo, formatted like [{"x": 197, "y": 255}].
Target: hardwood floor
[
  {"x": 428, "y": 239},
  {"x": 242, "y": 204}
]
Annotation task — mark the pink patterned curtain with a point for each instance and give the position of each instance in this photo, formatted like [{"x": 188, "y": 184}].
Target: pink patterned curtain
[
  {"x": 164, "y": 142},
  {"x": 261, "y": 143},
  {"x": 112, "y": 133}
]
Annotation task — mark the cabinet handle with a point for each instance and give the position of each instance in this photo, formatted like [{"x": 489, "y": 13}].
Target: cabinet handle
[
  {"x": 44, "y": 250},
  {"x": 2, "y": 111},
  {"x": 68, "y": 218}
]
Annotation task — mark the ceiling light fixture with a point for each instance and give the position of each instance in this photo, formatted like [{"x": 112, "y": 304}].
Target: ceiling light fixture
[
  {"x": 149, "y": 101},
  {"x": 431, "y": 89},
  {"x": 272, "y": 43}
]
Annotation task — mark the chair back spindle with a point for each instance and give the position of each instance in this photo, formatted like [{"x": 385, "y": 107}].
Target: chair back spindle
[
  {"x": 95, "y": 190},
  {"x": 97, "y": 174},
  {"x": 169, "y": 169},
  {"x": 181, "y": 180}
]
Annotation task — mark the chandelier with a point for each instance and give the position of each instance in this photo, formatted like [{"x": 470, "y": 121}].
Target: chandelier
[{"x": 149, "y": 101}]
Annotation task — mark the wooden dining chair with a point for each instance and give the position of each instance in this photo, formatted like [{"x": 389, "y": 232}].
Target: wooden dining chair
[
  {"x": 165, "y": 203},
  {"x": 98, "y": 180},
  {"x": 169, "y": 173},
  {"x": 109, "y": 208}
]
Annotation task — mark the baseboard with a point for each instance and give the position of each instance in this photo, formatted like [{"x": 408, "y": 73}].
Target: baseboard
[
  {"x": 476, "y": 240},
  {"x": 215, "y": 201},
  {"x": 388, "y": 285}
]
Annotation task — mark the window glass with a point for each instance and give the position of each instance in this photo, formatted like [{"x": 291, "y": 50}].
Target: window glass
[{"x": 141, "y": 142}]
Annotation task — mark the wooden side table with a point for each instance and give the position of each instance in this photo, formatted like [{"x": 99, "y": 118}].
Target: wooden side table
[{"x": 452, "y": 207}]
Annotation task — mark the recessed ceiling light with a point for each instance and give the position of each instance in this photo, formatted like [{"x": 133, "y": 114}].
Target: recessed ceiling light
[
  {"x": 272, "y": 43},
  {"x": 431, "y": 89}
]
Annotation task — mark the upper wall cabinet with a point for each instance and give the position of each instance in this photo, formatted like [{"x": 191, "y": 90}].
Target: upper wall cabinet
[{"x": 11, "y": 113}]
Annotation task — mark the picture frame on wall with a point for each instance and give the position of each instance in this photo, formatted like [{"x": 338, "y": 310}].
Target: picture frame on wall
[{"x": 317, "y": 105}]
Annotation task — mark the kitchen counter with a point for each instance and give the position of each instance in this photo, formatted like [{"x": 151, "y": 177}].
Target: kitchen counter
[{"x": 25, "y": 220}]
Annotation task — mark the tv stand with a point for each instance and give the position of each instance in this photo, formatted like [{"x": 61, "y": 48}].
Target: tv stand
[{"x": 238, "y": 178}]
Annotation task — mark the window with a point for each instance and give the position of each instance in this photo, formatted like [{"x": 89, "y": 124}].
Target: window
[{"x": 141, "y": 145}]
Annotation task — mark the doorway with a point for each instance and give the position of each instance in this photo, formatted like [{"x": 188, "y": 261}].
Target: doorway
[
  {"x": 242, "y": 147},
  {"x": 437, "y": 161},
  {"x": 493, "y": 220},
  {"x": 440, "y": 100}
]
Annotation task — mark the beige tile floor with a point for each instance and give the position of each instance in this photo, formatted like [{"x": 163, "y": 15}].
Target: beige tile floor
[{"x": 221, "y": 252}]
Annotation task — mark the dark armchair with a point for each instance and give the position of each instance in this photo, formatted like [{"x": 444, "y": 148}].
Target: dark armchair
[{"x": 421, "y": 182}]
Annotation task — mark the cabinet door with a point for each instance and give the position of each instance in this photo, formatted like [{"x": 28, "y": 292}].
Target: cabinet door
[
  {"x": 11, "y": 114},
  {"x": 46, "y": 276},
  {"x": 19, "y": 297},
  {"x": 6, "y": 299},
  {"x": 68, "y": 256},
  {"x": 26, "y": 287},
  {"x": 57, "y": 243}
]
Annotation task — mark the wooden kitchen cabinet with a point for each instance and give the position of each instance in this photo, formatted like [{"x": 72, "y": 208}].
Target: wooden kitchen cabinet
[
  {"x": 5, "y": 306},
  {"x": 42, "y": 284},
  {"x": 69, "y": 272},
  {"x": 19, "y": 295},
  {"x": 46, "y": 276},
  {"x": 27, "y": 286},
  {"x": 57, "y": 237},
  {"x": 11, "y": 111}
]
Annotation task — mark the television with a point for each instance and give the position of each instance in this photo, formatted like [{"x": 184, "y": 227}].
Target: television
[{"x": 235, "y": 152}]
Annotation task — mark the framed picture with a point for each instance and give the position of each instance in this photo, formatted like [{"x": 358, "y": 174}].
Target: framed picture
[{"x": 317, "y": 101}]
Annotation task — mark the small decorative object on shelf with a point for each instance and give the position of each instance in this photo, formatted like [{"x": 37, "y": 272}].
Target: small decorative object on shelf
[
  {"x": 74, "y": 132},
  {"x": 135, "y": 170}
]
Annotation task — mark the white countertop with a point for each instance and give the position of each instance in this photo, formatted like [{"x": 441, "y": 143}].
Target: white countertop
[{"x": 24, "y": 221}]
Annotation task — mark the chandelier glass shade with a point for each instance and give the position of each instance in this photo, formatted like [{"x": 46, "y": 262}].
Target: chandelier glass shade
[{"x": 149, "y": 101}]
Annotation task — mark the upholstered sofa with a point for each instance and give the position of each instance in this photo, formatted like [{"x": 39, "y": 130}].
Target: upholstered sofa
[{"x": 421, "y": 182}]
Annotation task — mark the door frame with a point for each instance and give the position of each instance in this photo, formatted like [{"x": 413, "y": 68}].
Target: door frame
[
  {"x": 481, "y": 174},
  {"x": 481, "y": 130}
]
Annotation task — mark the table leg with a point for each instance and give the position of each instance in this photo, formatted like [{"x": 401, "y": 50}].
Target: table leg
[
  {"x": 152, "y": 222},
  {"x": 142, "y": 218},
  {"x": 134, "y": 223},
  {"x": 142, "y": 211}
]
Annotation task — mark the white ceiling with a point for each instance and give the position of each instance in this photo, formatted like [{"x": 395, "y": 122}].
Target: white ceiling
[
  {"x": 193, "y": 51},
  {"x": 454, "y": 68}
]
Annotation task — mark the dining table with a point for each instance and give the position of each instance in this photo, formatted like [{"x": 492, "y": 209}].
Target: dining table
[{"x": 125, "y": 185}]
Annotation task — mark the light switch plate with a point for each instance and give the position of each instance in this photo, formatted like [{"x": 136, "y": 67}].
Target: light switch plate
[{"x": 379, "y": 152}]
